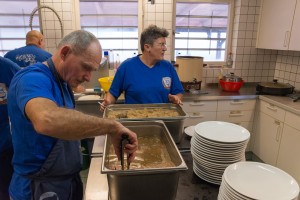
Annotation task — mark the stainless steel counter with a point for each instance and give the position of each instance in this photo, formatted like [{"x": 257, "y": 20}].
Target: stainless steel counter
[
  {"x": 96, "y": 186},
  {"x": 208, "y": 92},
  {"x": 98, "y": 146}
]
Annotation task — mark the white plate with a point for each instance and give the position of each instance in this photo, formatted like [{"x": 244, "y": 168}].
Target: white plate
[
  {"x": 261, "y": 181},
  {"x": 222, "y": 131},
  {"x": 190, "y": 130}
]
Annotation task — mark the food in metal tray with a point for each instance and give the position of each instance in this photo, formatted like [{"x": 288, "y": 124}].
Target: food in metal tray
[
  {"x": 152, "y": 153},
  {"x": 142, "y": 113}
]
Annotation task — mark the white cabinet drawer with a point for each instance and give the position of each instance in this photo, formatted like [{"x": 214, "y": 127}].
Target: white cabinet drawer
[
  {"x": 272, "y": 110},
  {"x": 238, "y": 104},
  {"x": 235, "y": 115},
  {"x": 192, "y": 106},
  {"x": 293, "y": 120},
  {"x": 197, "y": 117}
]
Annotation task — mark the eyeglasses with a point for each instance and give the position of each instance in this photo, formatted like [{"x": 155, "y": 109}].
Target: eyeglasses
[{"x": 161, "y": 44}]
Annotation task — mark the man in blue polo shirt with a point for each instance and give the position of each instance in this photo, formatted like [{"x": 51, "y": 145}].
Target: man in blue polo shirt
[
  {"x": 46, "y": 130},
  {"x": 32, "y": 53}
]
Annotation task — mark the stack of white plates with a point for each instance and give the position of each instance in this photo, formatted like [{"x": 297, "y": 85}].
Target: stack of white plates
[
  {"x": 214, "y": 146},
  {"x": 253, "y": 180}
]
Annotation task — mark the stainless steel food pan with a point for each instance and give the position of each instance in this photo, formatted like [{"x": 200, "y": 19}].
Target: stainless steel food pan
[
  {"x": 175, "y": 125},
  {"x": 148, "y": 183}
]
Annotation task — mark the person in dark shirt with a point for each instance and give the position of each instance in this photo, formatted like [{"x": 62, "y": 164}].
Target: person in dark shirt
[{"x": 7, "y": 71}]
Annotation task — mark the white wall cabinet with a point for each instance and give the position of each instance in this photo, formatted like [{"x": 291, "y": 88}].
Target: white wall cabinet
[
  {"x": 279, "y": 25},
  {"x": 268, "y": 130},
  {"x": 294, "y": 43}
]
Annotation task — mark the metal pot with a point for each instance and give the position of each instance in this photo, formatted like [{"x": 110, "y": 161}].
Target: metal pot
[
  {"x": 189, "y": 68},
  {"x": 275, "y": 88},
  {"x": 231, "y": 78}
]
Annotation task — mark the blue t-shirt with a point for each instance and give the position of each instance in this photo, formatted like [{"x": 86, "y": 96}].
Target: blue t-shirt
[
  {"x": 7, "y": 71},
  {"x": 31, "y": 149},
  {"x": 142, "y": 84},
  {"x": 27, "y": 55}
]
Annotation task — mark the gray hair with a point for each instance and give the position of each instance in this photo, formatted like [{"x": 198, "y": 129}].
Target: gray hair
[
  {"x": 79, "y": 41},
  {"x": 150, "y": 34}
]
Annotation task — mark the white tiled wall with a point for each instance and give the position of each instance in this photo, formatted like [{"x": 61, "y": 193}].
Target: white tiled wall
[
  {"x": 253, "y": 65},
  {"x": 67, "y": 10},
  {"x": 287, "y": 68},
  {"x": 161, "y": 14}
]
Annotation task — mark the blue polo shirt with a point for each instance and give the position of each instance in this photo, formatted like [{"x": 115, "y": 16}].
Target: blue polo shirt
[
  {"x": 7, "y": 71},
  {"x": 31, "y": 149},
  {"x": 27, "y": 55},
  {"x": 142, "y": 84}
]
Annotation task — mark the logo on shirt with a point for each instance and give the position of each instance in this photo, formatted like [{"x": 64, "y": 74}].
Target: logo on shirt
[
  {"x": 3, "y": 93},
  {"x": 27, "y": 58},
  {"x": 167, "y": 82}
]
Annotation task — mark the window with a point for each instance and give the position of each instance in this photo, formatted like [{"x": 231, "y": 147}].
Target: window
[
  {"x": 14, "y": 23},
  {"x": 202, "y": 29},
  {"x": 114, "y": 23}
]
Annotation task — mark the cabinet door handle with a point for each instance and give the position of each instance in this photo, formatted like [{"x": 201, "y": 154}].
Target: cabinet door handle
[
  {"x": 272, "y": 108},
  {"x": 197, "y": 104},
  {"x": 278, "y": 130},
  {"x": 236, "y": 115},
  {"x": 199, "y": 116},
  {"x": 286, "y": 38},
  {"x": 196, "y": 115},
  {"x": 236, "y": 102}
]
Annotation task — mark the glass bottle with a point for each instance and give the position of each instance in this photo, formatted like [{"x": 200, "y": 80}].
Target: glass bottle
[{"x": 229, "y": 60}]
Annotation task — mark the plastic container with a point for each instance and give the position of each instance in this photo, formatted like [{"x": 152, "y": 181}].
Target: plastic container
[
  {"x": 231, "y": 86},
  {"x": 118, "y": 61},
  {"x": 106, "y": 56},
  {"x": 105, "y": 82},
  {"x": 229, "y": 60},
  {"x": 111, "y": 60}
]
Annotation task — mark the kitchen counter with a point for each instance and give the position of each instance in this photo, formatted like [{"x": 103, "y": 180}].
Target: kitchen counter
[
  {"x": 208, "y": 92},
  {"x": 96, "y": 186},
  {"x": 214, "y": 92},
  {"x": 98, "y": 146},
  {"x": 283, "y": 102}
]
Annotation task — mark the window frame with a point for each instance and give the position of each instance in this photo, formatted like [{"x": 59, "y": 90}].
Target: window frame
[
  {"x": 20, "y": 41},
  {"x": 120, "y": 51},
  {"x": 229, "y": 33}
]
